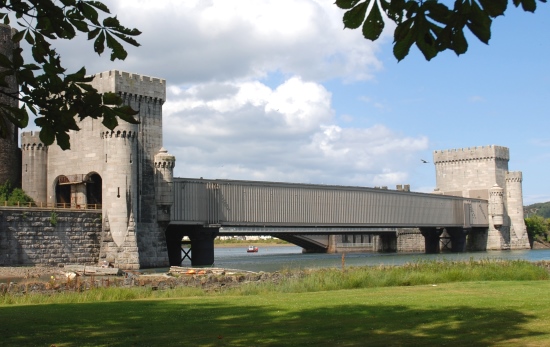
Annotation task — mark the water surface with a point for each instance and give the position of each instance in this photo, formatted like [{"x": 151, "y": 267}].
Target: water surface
[{"x": 271, "y": 259}]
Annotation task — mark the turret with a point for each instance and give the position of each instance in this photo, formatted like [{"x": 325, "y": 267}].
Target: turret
[
  {"x": 496, "y": 206},
  {"x": 514, "y": 203},
  {"x": 120, "y": 178},
  {"x": 34, "y": 167},
  {"x": 164, "y": 173}
]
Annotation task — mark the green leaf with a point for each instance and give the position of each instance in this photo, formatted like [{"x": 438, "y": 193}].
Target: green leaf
[
  {"x": 118, "y": 51},
  {"x": 494, "y": 8},
  {"x": 426, "y": 44},
  {"x": 29, "y": 38},
  {"x": 99, "y": 43},
  {"x": 111, "y": 22},
  {"x": 99, "y": 5},
  {"x": 18, "y": 36},
  {"x": 346, "y": 4},
  {"x": 127, "y": 114},
  {"x": 47, "y": 135},
  {"x": 80, "y": 25},
  {"x": 373, "y": 26},
  {"x": 63, "y": 140},
  {"x": 93, "y": 33},
  {"x": 127, "y": 39},
  {"x": 529, "y": 5},
  {"x": 402, "y": 47},
  {"x": 459, "y": 43},
  {"x": 111, "y": 99},
  {"x": 480, "y": 23},
  {"x": 355, "y": 17},
  {"x": 109, "y": 119},
  {"x": 89, "y": 12}
]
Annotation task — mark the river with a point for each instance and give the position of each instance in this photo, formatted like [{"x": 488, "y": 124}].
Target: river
[{"x": 277, "y": 258}]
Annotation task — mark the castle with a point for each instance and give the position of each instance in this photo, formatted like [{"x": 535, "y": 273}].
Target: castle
[
  {"x": 482, "y": 172},
  {"x": 125, "y": 171},
  {"x": 128, "y": 174}
]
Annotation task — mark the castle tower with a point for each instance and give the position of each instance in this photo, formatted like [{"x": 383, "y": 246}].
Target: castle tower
[
  {"x": 514, "y": 204},
  {"x": 482, "y": 172},
  {"x": 129, "y": 189},
  {"x": 120, "y": 188},
  {"x": 34, "y": 167},
  {"x": 164, "y": 173},
  {"x": 9, "y": 151}
]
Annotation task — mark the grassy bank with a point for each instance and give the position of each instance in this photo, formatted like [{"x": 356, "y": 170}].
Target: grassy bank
[{"x": 481, "y": 303}]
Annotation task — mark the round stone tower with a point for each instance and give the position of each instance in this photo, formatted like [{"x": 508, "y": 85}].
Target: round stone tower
[
  {"x": 35, "y": 167},
  {"x": 164, "y": 173},
  {"x": 10, "y": 162},
  {"x": 120, "y": 188},
  {"x": 514, "y": 202}
]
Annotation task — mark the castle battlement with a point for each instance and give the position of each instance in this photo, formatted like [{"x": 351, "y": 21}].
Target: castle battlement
[
  {"x": 116, "y": 81},
  {"x": 471, "y": 154},
  {"x": 31, "y": 138},
  {"x": 514, "y": 176}
]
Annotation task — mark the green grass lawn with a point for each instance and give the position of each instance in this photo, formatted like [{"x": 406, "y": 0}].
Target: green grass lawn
[{"x": 492, "y": 313}]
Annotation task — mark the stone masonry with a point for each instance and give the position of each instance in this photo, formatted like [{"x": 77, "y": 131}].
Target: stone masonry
[
  {"x": 482, "y": 172},
  {"x": 46, "y": 237}
]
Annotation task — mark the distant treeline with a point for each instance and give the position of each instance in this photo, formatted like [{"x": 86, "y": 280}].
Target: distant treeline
[{"x": 540, "y": 209}]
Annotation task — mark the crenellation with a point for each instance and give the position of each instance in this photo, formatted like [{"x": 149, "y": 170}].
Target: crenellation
[
  {"x": 471, "y": 154},
  {"x": 122, "y": 82}
]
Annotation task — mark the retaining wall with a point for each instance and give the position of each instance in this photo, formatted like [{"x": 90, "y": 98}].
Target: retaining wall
[{"x": 32, "y": 236}]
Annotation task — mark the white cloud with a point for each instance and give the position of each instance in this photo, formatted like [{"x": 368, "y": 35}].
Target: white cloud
[
  {"x": 188, "y": 42},
  {"x": 250, "y": 131},
  {"x": 244, "y": 96}
]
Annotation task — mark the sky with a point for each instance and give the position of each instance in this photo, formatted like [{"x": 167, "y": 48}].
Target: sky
[{"x": 277, "y": 90}]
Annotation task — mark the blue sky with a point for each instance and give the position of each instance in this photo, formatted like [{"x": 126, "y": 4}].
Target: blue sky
[{"x": 276, "y": 90}]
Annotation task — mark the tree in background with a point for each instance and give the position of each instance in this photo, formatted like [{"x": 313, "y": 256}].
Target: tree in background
[
  {"x": 13, "y": 196},
  {"x": 537, "y": 228},
  {"x": 431, "y": 25},
  {"x": 46, "y": 89}
]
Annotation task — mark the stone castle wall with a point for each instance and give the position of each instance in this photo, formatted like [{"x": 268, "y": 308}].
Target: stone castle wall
[
  {"x": 123, "y": 159},
  {"x": 35, "y": 237},
  {"x": 478, "y": 172}
]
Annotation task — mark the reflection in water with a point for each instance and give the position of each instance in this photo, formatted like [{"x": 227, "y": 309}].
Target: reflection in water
[{"x": 289, "y": 257}]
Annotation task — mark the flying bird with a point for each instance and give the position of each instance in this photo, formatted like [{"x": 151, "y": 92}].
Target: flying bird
[{"x": 424, "y": 161}]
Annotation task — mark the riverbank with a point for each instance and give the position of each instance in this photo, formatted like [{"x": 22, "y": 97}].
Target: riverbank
[{"x": 213, "y": 280}]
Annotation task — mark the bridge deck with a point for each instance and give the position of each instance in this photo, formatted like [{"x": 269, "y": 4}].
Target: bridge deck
[{"x": 270, "y": 204}]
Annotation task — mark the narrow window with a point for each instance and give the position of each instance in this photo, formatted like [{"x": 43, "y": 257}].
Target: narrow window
[{"x": 118, "y": 192}]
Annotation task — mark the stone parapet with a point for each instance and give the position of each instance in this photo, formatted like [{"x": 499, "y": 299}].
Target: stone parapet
[
  {"x": 471, "y": 153},
  {"x": 129, "y": 83}
]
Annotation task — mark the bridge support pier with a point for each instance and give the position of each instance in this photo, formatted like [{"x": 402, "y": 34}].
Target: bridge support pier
[
  {"x": 388, "y": 243},
  {"x": 458, "y": 239},
  {"x": 431, "y": 239},
  {"x": 202, "y": 246},
  {"x": 173, "y": 244}
]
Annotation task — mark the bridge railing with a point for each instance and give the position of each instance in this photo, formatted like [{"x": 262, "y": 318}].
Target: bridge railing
[{"x": 46, "y": 205}]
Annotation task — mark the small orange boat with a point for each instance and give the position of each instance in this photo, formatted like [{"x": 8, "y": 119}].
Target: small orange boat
[{"x": 252, "y": 249}]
